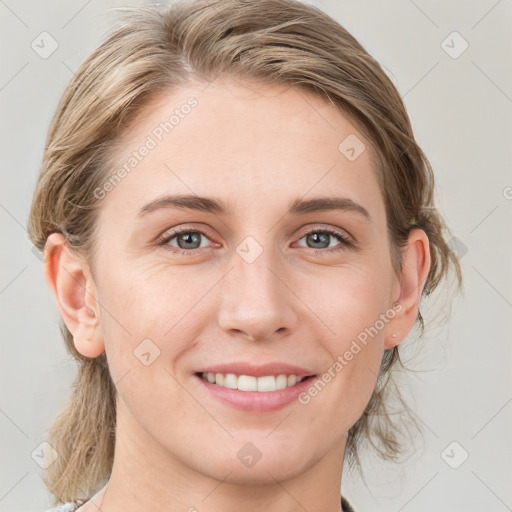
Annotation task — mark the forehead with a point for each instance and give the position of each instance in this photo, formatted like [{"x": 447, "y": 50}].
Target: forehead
[{"x": 241, "y": 139}]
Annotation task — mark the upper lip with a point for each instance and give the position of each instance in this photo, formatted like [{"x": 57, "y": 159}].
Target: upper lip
[{"x": 243, "y": 368}]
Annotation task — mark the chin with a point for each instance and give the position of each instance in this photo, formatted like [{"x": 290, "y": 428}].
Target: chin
[{"x": 261, "y": 462}]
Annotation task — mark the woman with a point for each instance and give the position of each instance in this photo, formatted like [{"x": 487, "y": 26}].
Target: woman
[{"x": 238, "y": 228}]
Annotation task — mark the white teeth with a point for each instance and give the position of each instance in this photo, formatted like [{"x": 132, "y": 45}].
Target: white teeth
[
  {"x": 247, "y": 383},
  {"x": 230, "y": 381},
  {"x": 281, "y": 381},
  {"x": 292, "y": 379},
  {"x": 251, "y": 383},
  {"x": 265, "y": 383}
]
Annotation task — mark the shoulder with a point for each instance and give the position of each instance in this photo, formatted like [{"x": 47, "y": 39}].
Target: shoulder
[
  {"x": 70, "y": 506},
  {"x": 345, "y": 505}
]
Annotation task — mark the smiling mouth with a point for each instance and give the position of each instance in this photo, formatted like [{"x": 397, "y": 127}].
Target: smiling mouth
[{"x": 263, "y": 384}]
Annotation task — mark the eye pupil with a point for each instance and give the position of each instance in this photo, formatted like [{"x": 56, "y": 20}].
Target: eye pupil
[
  {"x": 188, "y": 236},
  {"x": 319, "y": 238}
]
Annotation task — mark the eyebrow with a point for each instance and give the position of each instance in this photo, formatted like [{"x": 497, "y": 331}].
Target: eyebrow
[{"x": 219, "y": 207}]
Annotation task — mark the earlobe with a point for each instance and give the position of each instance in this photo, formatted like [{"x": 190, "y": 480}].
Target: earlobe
[
  {"x": 415, "y": 269},
  {"x": 71, "y": 282}
]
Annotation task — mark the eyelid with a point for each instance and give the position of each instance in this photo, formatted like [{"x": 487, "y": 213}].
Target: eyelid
[
  {"x": 170, "y": 233},
  {"x": 329, "y": 229}
]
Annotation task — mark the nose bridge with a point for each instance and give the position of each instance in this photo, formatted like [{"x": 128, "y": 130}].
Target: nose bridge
[
  {"x": 252, "y": 268},
  {"x": 253, "y": 274},
  {"x": 255, "y": 299}
]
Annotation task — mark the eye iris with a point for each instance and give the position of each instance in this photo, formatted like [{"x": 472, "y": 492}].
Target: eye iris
[
  {"x": 314, "y": 237},
  {"x": 187, "y": 237}
]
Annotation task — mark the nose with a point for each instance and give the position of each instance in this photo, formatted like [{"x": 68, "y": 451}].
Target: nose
[{"x": 257, "y": 300}]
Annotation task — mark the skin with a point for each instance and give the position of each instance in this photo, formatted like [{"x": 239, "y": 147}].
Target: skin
[{"x": 259, "y": 147}]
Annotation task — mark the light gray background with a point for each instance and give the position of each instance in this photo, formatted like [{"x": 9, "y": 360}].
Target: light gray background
[{"x": 461, "y": 113}]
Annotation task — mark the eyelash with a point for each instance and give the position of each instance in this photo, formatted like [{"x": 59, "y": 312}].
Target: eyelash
[{"x": 345, "y": 242}]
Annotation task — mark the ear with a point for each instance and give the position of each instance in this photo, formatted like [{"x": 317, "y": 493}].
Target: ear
[
  {"x": 71, "y": 282},
  {"x": 415, "y": 268}
]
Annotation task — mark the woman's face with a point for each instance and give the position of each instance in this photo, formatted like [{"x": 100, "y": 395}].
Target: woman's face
[{"x": 266, "y": 283}]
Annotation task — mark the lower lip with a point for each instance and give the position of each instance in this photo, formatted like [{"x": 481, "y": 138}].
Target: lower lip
[{"x": 256, "y": 401}]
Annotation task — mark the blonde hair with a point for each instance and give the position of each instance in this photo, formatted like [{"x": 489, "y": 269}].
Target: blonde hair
[{"x": 155, "y": 49}]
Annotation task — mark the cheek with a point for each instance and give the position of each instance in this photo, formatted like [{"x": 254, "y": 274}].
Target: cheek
[
  {"x": 356, "y": 308},
  {"x": 351, "y": 298},
  {"x": 147, "y": 308},
  {"x": 147, "y": 327},
  {"x": 146, "y": 297}
]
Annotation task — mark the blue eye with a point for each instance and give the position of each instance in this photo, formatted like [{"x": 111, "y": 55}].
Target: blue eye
[
  {"x": 325, "y": 234},
  {"x": 189, "y": 240},
  {"x": 184, "y": 237}
]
